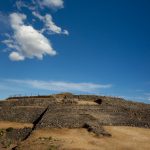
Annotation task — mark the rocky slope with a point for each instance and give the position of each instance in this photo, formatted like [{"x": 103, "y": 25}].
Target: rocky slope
[{"x": 69, "y": 111}]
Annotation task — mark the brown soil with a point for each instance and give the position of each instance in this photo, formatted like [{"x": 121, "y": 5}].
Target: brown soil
[
  {"x": 123, "y": 138},
  {"x": 87, "y": 103},
  {"x": 29, "y": 107},
  {"x": 16, "y": 125}
]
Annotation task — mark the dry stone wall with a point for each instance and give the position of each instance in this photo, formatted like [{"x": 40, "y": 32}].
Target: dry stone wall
[
  {"x": 21, "y": 114},
  {"x": 64, "y": 111}
]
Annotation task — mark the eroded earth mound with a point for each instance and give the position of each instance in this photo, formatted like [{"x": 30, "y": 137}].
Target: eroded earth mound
[{"x": 25, "y": 115}]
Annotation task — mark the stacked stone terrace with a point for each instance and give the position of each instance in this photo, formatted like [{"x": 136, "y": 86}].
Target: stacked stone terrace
[{"x": 75, "y": 111}]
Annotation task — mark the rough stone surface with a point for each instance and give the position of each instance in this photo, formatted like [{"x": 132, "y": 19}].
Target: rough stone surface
[
  {"x": 66, "y": 110},
  {"x": 20, "y": 114},
  {"x": 18, "y": 134}
]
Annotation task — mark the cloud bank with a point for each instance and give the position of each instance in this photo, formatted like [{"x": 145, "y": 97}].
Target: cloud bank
[{"x": 61, "y": 86}]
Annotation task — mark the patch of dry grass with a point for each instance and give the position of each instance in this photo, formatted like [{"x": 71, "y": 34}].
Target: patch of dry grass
[
  {"x": 123, "y": 138},
  {"x": 127, "y": 138},
  {"x": 8, "y": 124},
  {"x": 86, "y": 103}
]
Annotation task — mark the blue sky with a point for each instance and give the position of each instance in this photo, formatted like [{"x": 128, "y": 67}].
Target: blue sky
[{"x": 85, "y": 47}]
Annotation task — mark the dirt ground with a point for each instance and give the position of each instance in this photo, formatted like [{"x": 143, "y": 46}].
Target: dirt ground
[
  {"x": 7, "y": 124},
  {"x": 123, "y": 138},
  {"x": 86, "y": 103}
]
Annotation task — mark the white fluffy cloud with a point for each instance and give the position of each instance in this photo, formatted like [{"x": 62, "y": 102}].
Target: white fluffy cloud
[
  {"x": 40, "y": 4},
  {"x": 27, "y": 41},
  {"x": 15, "y": 56},
  {"x": 49, "y": 26},
  {"x": 55, "y": 4}
]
